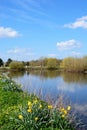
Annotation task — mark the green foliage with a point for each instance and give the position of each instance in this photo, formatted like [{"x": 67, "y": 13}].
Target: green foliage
[
  {"x": 16, "y": 65},
  {"x": 8, "y": 62},
  {"x": 37, "y": 115},
  {"x": 74, "y": 64},
  {"x": 52, "y": 63},
  {"x": 1, "y": 62},
  {"x": 11, "y": 100},
  {"x": 85, "y": 62},
  {"x": 9, "y": 85}
]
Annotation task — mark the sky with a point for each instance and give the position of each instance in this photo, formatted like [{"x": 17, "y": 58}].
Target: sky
[{"x": 33, "y": 29}]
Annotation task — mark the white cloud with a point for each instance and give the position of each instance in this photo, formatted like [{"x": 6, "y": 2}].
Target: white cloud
[
  {"x": 17, "y": 50},
  {"x": 52, "y": 55},
  {"x": 21, "y": 53},
  {"x": 64, "y": 87},
  {"x": 81, "y": 108},
  {"x": 68, "y": 44},
  {"x": 76, "y": 53},
  {"x": 79, "y": 23},
  {"x": 8, "y": 32}
]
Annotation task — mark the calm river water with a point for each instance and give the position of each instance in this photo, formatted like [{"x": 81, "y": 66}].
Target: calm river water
[{"x": 54, "y": 83}]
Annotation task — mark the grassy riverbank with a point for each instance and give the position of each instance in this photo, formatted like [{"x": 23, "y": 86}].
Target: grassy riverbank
[{"x": 22, "y": 111}]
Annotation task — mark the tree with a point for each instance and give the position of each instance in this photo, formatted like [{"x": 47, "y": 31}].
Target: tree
[
  {"x": 74, "y": 64},
  {"x": 16, "y": 65},
  {"x": 8, "y": 62},
  {"x": 27, "y": 63},
  {"x": 52, "y": 63},
  {"x": 68, "y": 63},
  {"x": 1, "y": 62},
  {"x": 85, "y": 62}
]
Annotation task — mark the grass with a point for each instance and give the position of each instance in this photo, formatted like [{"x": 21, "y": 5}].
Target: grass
[{"x": 23, "y": 111}]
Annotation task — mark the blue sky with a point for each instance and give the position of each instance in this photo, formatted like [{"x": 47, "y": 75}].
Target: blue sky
[{"x": 31, "y": 29}]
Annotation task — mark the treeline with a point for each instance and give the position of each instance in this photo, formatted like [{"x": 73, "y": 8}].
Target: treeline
[
  {"x": 49, "y": 63},
  {"x": 71, "y": 64}
]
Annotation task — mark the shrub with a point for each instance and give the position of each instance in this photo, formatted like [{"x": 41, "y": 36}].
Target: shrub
[
  {"x": 9, "y": 85},
  {"x": 16, "y": 65},
  {"x": 52, "y": 63}
]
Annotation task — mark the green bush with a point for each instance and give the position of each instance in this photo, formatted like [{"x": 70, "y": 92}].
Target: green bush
[
  {"x": 16, "y": 65},
  {"x": 9, "y": 85},
  {"x": 52, "y": 63}
]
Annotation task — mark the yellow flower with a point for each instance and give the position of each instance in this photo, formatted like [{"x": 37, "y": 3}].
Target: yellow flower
[
  {"x": 35, "y": 101},
  {"x": 29, "y": 103},
  {"x": 29, "y": 110},
  {"x": 65, "y": 112},
  {"x": 50, "y": 106},
  {"x": 62, "y": 110},
  {"x": 69, "y": 108},
  {"x": 63, "y": 116},
  {"x": 36, "y": 118},
  {"x": 40, "y": 106},
  {"x": 20, "y": 117}
]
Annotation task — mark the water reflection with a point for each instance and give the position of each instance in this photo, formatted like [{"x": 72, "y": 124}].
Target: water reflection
[
  {"x": 16, "y": 74},
  {"x": 74, "y": 78},
  {"x": 67, "y": 77},
  {"x": 45, "y": 74}
]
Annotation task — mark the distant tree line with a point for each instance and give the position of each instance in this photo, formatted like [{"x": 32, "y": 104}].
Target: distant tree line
[
  {"x": 71, "y": 64},
  {"x": 74, "y": 64}
]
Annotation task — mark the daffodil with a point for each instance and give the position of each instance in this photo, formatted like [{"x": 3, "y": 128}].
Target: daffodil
[
  {"x": 62, "y": 109},
  {"x": 36, "y": 118},
  {"x": 20, "y": 117},
  {"x": 63, "y": 116},
  {"x": 69, "y": 108},
  {"x": 50, "y": 106},
  {"x": 29, "y": 103},
  {"x": 29, "y": 110},
  {"x": 65, "y": 112},
  {"x": 40, "y": 106}
]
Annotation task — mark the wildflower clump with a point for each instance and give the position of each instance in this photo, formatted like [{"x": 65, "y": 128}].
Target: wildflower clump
[
  {"x": 65, "y": 112},
  {"x": 39, "y": 115}
]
